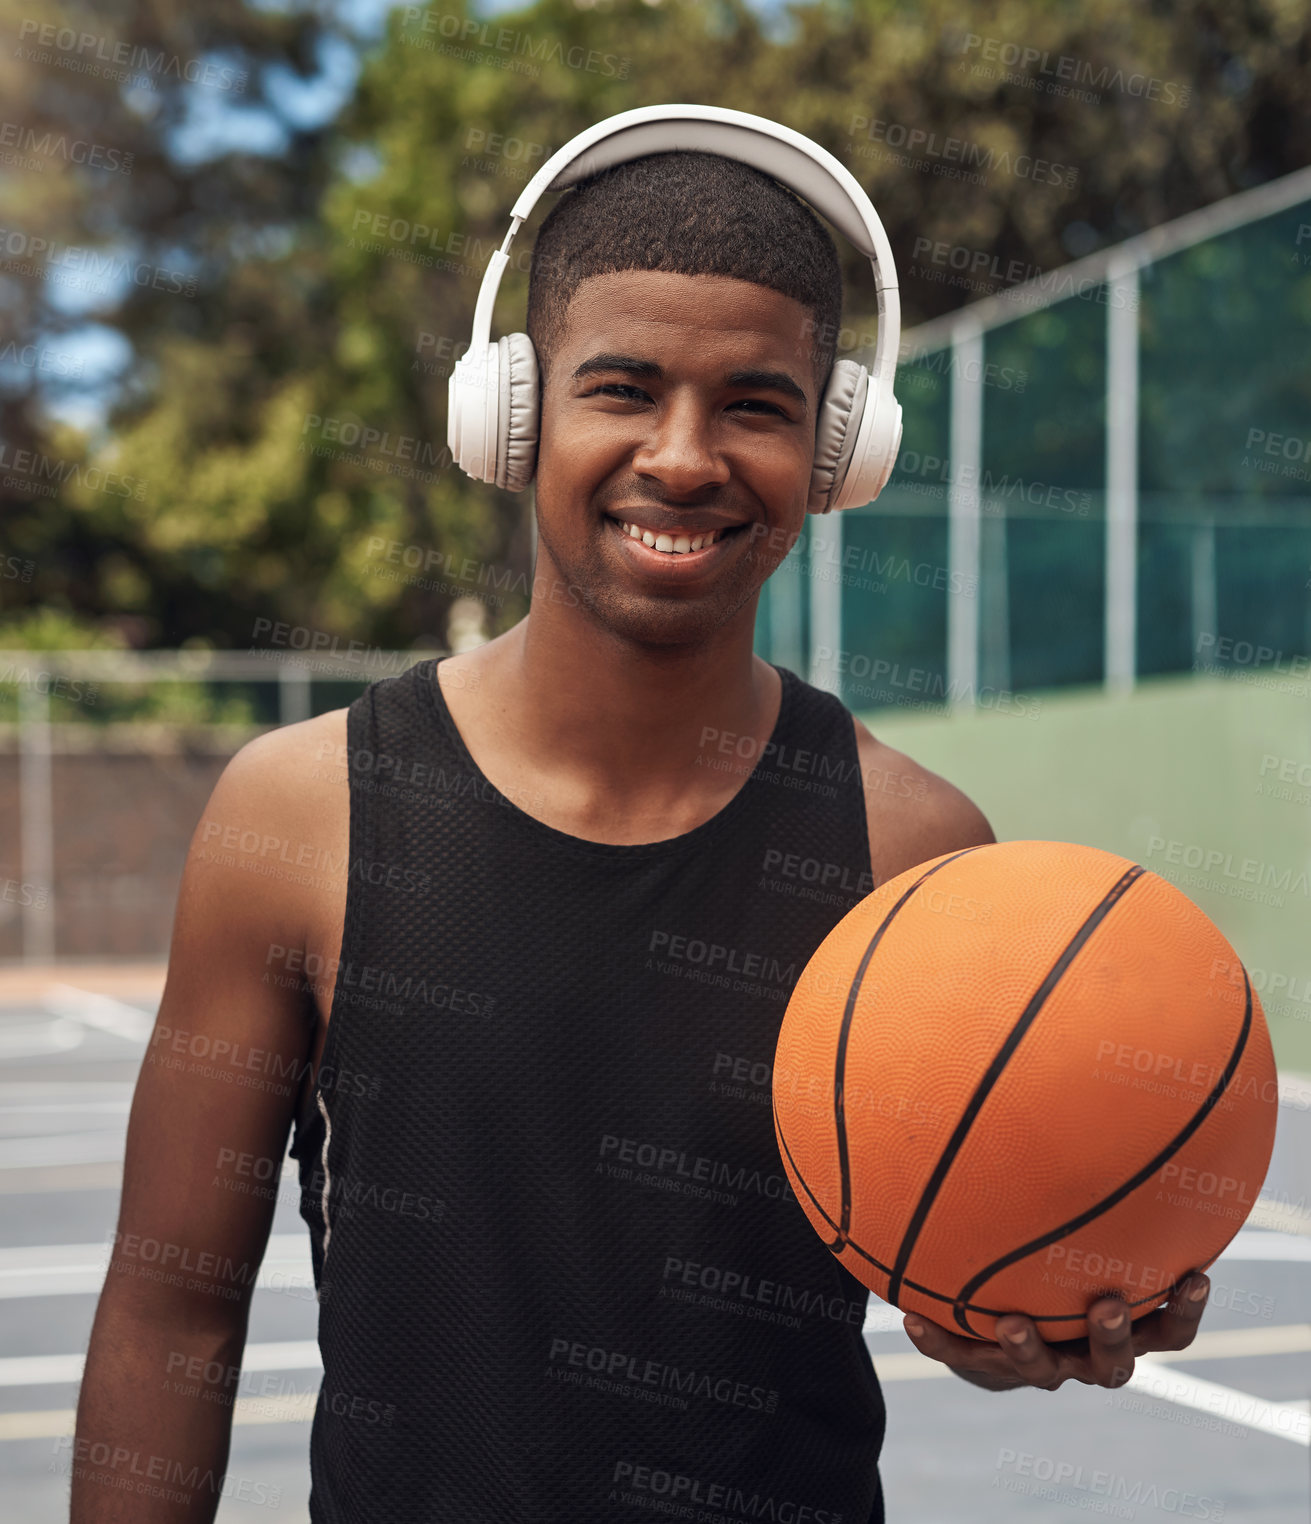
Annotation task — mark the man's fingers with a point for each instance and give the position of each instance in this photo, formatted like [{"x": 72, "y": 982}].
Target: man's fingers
[
  {"x": 1110, "y": 1342},
  {"x": 1032, "y": 1359},
  {"x": 939, "y": 1343},
  {"x": 1175, "y": 1325}
]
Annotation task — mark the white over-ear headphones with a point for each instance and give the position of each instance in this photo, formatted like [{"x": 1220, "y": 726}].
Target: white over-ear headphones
[{"x": 492, "y": 421}]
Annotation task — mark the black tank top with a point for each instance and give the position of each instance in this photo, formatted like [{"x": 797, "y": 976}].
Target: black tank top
[{"x": 562, "y": 1277}]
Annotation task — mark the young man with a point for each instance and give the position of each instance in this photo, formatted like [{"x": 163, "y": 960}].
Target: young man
[{"x": 561, "y": 1275}]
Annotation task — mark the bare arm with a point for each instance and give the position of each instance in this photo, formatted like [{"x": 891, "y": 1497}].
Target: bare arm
[{"x": 219, "y": 1079}]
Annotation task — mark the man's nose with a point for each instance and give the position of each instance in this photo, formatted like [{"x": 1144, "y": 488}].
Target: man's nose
[{"x": 682, "y": 449}]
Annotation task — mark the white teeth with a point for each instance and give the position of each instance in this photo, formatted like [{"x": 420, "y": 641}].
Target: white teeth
[{"x": 677, "y": 545}]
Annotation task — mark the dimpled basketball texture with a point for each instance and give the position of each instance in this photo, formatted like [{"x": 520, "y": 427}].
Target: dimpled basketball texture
[{"x": 1019, "y": 1077}]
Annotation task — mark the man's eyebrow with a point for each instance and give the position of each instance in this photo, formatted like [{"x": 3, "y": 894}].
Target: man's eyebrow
[
  {"x": 758, "y": 380},
  {"x": 769, "y": 381},
  {"x": 626, "y": 363}
]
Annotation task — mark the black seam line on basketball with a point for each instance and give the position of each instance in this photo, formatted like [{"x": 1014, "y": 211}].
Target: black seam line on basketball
[
  {"x": 994, "y": 1071},
  {"x": 913, "y": 1285},
  {"x": 839, "y": 1068},
  {"x": 815, "y": 1201},
  {"x": 976, "y": 1307},
  {"x": 1148, "y": 1169}
]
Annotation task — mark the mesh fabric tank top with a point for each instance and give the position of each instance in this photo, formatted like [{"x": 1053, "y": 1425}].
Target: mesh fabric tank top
[{"x": 562, "y": 1276}]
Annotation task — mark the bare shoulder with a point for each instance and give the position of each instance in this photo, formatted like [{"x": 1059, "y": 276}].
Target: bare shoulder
[
  {"x": 913, "y": 814},
  {"x": 291, "y": 758},
  {"x": 275, "y": 830},
  {"x": 293, "y": 765}
]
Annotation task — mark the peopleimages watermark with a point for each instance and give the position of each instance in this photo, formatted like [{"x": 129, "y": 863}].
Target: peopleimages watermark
[
  {"x": 83, "y": 269},
  {"x": 681, "y": 1496},
  {"x": 671, "y": 1168},
  {"x": 426, "y": 567},
  {"x": 475, "y": 41},
  {"x": 918, "y": 367},
  {"x": 1250, "y": 662},
  {"x": 30, "y": 148},
  {"x": 879, "y": 679},
  {"x": 351, "y": 980},
  {"x": 620, "y": 1368},
  {"x": 19, "y": 892},
  {"x": 499, "y": 153},
  {"x": 1093, "y": 1490},
  {"x": 742, "y": 1293},
  {"x": 1282, "y": 994},
  {"x": 43, "y": 475},
  {"x": 984, "y": 490},
  {"x": 445, "y": 349},
  {"x": 1063, "y": 74},
  {"x": 1225, "y": 1411},
  {"x": 39, "y": 358},
  {"x": 950, "y": 157},
  {"x": 699, "y": 961},
  {"x": 103, "y": 57},
  {"x": 52, "y": 684},
  {"x": 122, "y": 1469},
  {"x": 304, "y": 862},
  {"x": 352, "y": 656},
  {"x": 1278, "y": 454},
  {"x": 379, "y": 449},
  {"x": 1287, "y": 779},
  {"x": 191, "y": 1375},
  {"x": 1239, "y": 877},
  {"x": 824, "y": 557},
  {"x": 955, "y": 264}
]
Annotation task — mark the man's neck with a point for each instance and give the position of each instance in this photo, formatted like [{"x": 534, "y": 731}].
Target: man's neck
[{"x": 626, "y": 742}]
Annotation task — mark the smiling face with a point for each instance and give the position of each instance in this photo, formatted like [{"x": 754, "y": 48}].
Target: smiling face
[{"x": 677, "y": 409}]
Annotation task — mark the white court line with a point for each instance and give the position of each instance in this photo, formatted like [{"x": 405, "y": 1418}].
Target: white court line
[
  {"x": 1255, "y": 1243},
  {"x": 100, "y": 1011},
  {"x": 55, "y": 1370},
  {"x": 44, "y": 1150},
  {"x": 303, "y": 1354},
  {"x": 75, "y": 1269},
  {"x": 1283, "y": 1420},
  {"x": 57, "y": 1423},
  {"x": 35, "y": 1039}
]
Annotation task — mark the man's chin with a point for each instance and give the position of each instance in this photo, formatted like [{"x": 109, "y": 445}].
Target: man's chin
[{"x": 662, "y": 622}]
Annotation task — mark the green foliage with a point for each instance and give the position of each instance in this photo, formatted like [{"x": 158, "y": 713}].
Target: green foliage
[{"x": 226, "y": 493}]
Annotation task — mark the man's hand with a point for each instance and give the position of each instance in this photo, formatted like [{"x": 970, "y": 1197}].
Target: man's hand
[{"x": 1104, "y": 1358}]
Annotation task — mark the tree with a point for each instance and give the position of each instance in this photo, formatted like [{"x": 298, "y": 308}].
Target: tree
[{"x": 276, "y": 455}]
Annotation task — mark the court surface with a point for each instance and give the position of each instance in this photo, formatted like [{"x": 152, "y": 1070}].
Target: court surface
[{"x": 1222, "y": 1433}]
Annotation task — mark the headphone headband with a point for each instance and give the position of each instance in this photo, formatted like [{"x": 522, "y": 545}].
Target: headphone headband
[
  {"x": 778, "y": 151},
  {"x": 494, "y": 391}
]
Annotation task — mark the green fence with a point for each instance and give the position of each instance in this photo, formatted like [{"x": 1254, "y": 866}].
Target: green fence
[{"x": 1104, "y": 473}]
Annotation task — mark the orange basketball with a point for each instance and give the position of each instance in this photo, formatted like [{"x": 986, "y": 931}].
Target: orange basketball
[{"x": 1020, "y": 1077}]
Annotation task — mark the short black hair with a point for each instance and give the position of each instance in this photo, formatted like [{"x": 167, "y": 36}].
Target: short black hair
[{"x": 691, "y": 213}]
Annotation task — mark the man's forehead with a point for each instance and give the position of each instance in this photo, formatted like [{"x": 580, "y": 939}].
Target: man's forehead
[{"x": 664, "y": 307}]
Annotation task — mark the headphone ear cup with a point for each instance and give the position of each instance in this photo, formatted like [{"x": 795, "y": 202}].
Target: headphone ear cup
[
  {"x": 840, "y": 411},
  {"x": 472, "y": 420},
  {"x": 517, "y": 412},
  {"x": 877, "y": 439}
]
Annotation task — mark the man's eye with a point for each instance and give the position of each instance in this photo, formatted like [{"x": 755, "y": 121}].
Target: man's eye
[
  {"x": 618, "y": 389},
  {"x": 635, "y": 394},
  {"x": 756, "y": 402}
]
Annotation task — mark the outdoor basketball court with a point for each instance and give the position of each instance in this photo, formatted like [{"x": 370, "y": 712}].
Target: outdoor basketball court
[{"x": 1220, "y": 1431}]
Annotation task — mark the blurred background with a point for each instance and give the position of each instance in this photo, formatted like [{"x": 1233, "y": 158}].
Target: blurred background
[{"x": 239, "y": 249}]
